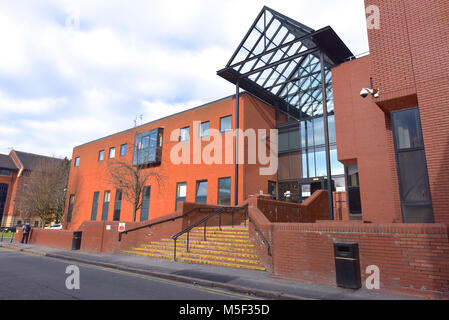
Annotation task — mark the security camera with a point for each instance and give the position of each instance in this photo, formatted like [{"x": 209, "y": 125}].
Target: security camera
[{"x": 366, "y": 91}]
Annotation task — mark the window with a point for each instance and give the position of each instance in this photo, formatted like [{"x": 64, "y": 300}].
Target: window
[
  {"x": 181, "y": 193},
  {"x": 107, "y": 199},
  {"x": 226, "y": 124},
  {"x": 184, "y": 134},
  {"x": 354, "y": 200},
  {"x": 77, "y": 162},
  {"x": 117, "y": 205},
  {"x": 5, "y": 172},
  {"x": 112, "y": 153},
  {"x": 70, "y": 210},
  {"x": 144, "y": 211},
  {"x": 201, "y": 192},
  {"x": 148, "y": 148},
  {"x": 411, "y": 165},
  {"x": 204, "y": 129},
  {"x": 101, "y": 155},
  {"x": 95, "y": 206},
  {"x": 272, "y": 188},
  {"x": 224, "y": 191},
  {"x": 123, "y": 149}
]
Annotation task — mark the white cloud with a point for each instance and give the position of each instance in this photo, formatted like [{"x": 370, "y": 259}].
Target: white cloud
[{"x": 63, "y": 86}]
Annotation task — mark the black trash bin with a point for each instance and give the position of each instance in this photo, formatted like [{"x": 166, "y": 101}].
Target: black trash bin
[
  {"x": 76, "y": 241},
  {"x": 347, "y": 265}
]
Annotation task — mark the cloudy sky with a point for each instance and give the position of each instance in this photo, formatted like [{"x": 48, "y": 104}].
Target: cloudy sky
[{"x": 74, "y": 71}]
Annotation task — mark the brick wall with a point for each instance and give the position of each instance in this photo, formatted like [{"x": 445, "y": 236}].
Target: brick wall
[
  {"x": 413, "y": 258},
  {"x": 61, "y": 239},
  {"x": 102, "y": 236},
  {"x": 409, "y": 55}
]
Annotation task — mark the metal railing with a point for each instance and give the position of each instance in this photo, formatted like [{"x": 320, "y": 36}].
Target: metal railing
[
  {"x": 187, "y": 230},
  {"x": 172, "y": 219},
  {"x": 264, "y": 240},
  {"x": 213, "y": 214}
]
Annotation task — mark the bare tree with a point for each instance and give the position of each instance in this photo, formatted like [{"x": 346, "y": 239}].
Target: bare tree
[
  {"x": 132, "y": 178},
  {"x": 42, "y": 192}
]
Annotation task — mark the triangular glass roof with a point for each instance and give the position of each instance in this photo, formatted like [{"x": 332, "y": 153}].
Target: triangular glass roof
[{"x": 278, "y": 60}]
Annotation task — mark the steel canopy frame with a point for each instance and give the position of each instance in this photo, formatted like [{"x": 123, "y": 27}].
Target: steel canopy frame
[{"x": 287, "y": 64}]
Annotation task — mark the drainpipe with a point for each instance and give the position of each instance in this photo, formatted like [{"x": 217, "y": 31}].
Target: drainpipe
[
  {"x": 326, "y": 139},
  {"x": 237, "y": 113}
]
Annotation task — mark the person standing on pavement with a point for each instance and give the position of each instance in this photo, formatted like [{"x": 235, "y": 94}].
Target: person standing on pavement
[{"x": 26, "y": 231}]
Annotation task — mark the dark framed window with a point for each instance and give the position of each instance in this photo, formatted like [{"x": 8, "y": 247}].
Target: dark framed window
[
  {"x": 112, "y": 153},
  {"x": 95, "y": 206},
  {"x": 204, "y": 129},
  {"x": 145, "y": 210},
  {"x": 272, "y": 188},
  {"x": 148, "y": 148},
  {"x": 117, "y": 204},
  {"x": 101, "y": 155},
  {"x": 77, "y": 162},
  {"x": 411, "y": 163},
  {"x": 226, "y": 124},
  {"x": 184, "y": 134},
  {"x": 106, "y": 201},
  {"x": 70, "y": 210},
  {"x": 201, "y": 191},
  {"x": 353, "y": 186},
  {"x": 224, "y": 191},
  {"x": 123, "y": 149},
  {"x": 181, "y": 193}
]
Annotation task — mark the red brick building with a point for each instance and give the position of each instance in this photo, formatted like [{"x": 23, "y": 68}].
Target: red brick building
[
  {"x": 96, "y": 198},
  {"x": 385, "y": 152},
  {"x": 15, "y": 170},
  {"x": 398, "y": 141}
]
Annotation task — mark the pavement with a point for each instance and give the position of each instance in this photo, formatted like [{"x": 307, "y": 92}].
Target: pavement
[{"x": 253, "y": 283}]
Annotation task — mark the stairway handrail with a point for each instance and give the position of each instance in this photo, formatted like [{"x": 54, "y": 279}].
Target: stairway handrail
[
  {"x": 162, "y": 221},
  {"x": 204, "y": 220},
  {"x": 264, "y": 240}
]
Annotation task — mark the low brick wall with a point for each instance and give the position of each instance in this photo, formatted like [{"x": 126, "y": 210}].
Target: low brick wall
[
  {"x": 412, "y": 258},
  {"x": 102, "y": 236},
  {"x": 61, "y": 239},
  {"x": 314, "y": 208}
]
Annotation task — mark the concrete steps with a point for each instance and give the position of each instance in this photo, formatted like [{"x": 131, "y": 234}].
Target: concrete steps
[{"x": 229, "y": 247}]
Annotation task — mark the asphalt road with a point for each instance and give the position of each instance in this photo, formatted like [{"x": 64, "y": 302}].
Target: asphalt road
[{"x": 25, "y": 276}]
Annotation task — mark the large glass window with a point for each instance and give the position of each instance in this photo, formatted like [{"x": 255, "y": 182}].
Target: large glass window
[
  {"x": 95, "y": 206},
  {"x": 181, "y": 193},
  {"x": 77, "y": 162},
  {"x": 201, "y": 192},
  {"x": 224, "y": 191},
  {"x": 354, "y": 200},
  {"x": 145, "y": 210},
  {"x": 106, "y": 200},
  {"x": 70, "y": 210},
  {"x": 148, "y": 148},
  {"x": 412, "y": 169},
  {"x": 117, "y": 204},
  {"x": 307, "y": 137}
]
